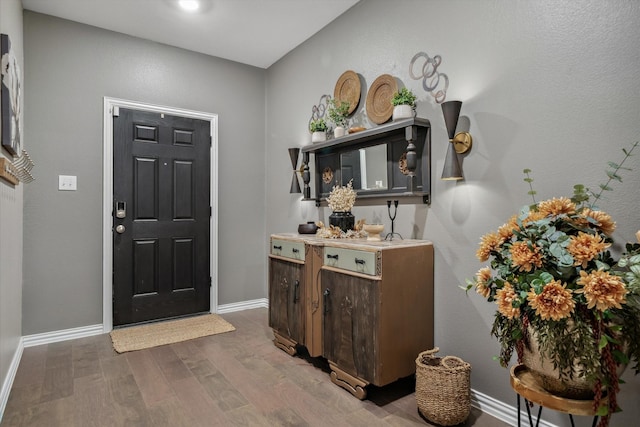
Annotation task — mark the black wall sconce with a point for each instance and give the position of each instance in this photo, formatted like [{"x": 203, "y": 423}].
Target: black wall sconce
[
  {"x": 295, "y": 185},
  {"x": 459, "y": 142}
]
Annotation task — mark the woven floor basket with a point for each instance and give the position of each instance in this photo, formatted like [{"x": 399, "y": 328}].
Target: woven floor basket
[{"x": 443, "y": 390}]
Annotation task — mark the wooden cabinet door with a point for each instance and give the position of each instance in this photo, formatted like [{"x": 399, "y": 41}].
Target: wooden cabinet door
[
  {"x": 351, "y": 313},
  {"x": 286, "y": 307}
]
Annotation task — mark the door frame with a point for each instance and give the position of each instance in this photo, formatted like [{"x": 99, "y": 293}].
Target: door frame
[{"x": 107, "y": 198}]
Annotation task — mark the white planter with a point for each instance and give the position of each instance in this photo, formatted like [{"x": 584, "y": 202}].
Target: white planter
[
  {"x": 339, "y": 131},
  {"x": 318, "y": 136},
  {"x": 402, "y": 112}
]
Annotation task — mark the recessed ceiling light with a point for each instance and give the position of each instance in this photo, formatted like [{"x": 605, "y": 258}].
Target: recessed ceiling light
[{"x": 189, "y": 5}]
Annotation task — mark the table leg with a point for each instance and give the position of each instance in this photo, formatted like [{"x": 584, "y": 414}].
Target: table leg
[{"x": 526, "y": 402}]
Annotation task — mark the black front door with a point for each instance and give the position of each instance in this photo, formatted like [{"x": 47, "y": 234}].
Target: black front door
[{"x": 161, "y": 216}]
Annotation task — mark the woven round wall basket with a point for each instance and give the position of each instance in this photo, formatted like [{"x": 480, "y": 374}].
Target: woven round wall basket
[{"x": 443, "y": 391}]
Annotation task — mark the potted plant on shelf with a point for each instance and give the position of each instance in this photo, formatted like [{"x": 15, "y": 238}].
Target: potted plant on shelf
[
  {"x": 404, "y": 103},
  {"x": 338, "y": 111},
  {"x": 318, "y": 129},
  {"x": 564, "y": 304}
]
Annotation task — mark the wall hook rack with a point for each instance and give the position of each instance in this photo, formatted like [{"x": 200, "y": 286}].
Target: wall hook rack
[{"x": 18, "y": 170}]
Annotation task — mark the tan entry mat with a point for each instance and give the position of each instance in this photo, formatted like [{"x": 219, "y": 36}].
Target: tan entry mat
[{"x": 168, "y": 332}]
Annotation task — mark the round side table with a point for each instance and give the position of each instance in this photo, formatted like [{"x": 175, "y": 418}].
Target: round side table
[{"x": 525, "y": 385}]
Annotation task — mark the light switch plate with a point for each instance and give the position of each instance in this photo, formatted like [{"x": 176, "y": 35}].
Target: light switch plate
[{"x": 67, "y": 182}]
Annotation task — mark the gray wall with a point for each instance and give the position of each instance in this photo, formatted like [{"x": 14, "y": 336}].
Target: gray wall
[
  {"x": 547, "y": 85},
  {"x": 69, "y": 68},
  {"x": 553, "y": 87},
  {"x": 10, "y": 224}
]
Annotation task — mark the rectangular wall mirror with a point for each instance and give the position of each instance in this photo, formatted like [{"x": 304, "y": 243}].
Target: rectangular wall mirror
[{"x": 366, "y": 166}]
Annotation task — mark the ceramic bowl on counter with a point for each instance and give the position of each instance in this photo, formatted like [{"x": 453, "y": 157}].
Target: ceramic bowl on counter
[
  {"x": 308, "y": 228},
  {"x": 373, "y": 231}
]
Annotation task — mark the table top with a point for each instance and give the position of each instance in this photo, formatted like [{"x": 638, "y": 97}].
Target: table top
[
  {"x": 364, "y": 244},
  {"x": 523, "y": 383}
]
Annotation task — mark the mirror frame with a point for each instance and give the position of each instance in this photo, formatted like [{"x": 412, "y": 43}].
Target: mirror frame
[{"x": 408, "y": 146}]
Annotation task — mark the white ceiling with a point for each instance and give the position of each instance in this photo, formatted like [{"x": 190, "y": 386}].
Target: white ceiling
[{"x": 254, "y": 32}]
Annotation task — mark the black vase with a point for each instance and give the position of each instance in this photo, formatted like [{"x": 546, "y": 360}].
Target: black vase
[{"x": 344, "y": 220}]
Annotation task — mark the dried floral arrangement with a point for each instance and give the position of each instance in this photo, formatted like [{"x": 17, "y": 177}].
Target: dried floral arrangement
[
  {"x": 333, "y": 232},
  {"x": 342, "y": 198}
]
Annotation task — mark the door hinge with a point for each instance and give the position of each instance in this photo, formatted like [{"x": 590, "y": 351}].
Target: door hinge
[
  {"x": 210, "y": 281},
  {"x": 210, "y": 141},
  {"x": 210, "y": 210},
  {"x": 115, "y": 111}
]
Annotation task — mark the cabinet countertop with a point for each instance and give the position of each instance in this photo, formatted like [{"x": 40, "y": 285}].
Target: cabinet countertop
[{"x": 364, "y": 244}]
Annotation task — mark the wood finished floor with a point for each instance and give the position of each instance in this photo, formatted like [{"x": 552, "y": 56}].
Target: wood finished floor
[{"x": 234, "y": 379}]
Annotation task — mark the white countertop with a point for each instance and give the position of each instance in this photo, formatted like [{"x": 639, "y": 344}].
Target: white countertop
[{"x": 312, "y": 239}]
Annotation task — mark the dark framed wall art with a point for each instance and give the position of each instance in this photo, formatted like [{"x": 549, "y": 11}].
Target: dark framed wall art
[{"x": 10, "y": 98}]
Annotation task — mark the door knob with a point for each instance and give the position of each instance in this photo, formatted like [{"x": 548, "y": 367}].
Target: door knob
[{"x": 120, "y": 229}]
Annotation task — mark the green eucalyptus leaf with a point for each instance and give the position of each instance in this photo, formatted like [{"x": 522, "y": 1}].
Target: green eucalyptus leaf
[
  {"x": 537, "y": 288},
  {"x": 620, "y": 357},
  {"x": 615, "y": 176},
  {"x": 603, "y": 342},
  {"x": 465, "y": 288},
  {"x": 536, "y": 282},
  {"x": 546, "y": 277}
]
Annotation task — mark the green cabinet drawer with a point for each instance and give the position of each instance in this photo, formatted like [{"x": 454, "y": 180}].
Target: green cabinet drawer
[
  {"x": 287, "y": 249},
  {"x": 358, "y": 261}
]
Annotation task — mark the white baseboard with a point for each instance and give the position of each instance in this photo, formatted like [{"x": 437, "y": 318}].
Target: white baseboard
[
  {"x": 91, "y": 330},
  {"x": 11, "y": 375},
  {"x": 503, "y": 411},
  {"x": 244, "y": 305},
  {"x": 63, "y": 335}
]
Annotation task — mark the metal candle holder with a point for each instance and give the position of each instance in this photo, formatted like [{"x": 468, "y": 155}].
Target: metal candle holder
[{"x": 389, "y": 236}]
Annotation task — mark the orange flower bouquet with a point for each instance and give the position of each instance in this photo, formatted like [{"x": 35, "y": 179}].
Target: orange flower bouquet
[{"x": 555, "y": 282}]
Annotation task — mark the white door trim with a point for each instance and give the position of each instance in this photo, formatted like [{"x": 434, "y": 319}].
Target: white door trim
[{"x": 107, "y": 199}]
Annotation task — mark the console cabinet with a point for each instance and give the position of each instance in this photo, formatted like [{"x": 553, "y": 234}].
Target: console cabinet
[{"x": 368, "y": 306}]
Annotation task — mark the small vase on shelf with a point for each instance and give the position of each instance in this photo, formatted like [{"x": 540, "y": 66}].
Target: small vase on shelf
[
  {"x": 403, "y": 112},
  {"x": 344, "y": 220},
  {"x": 318, "y": 136}
]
